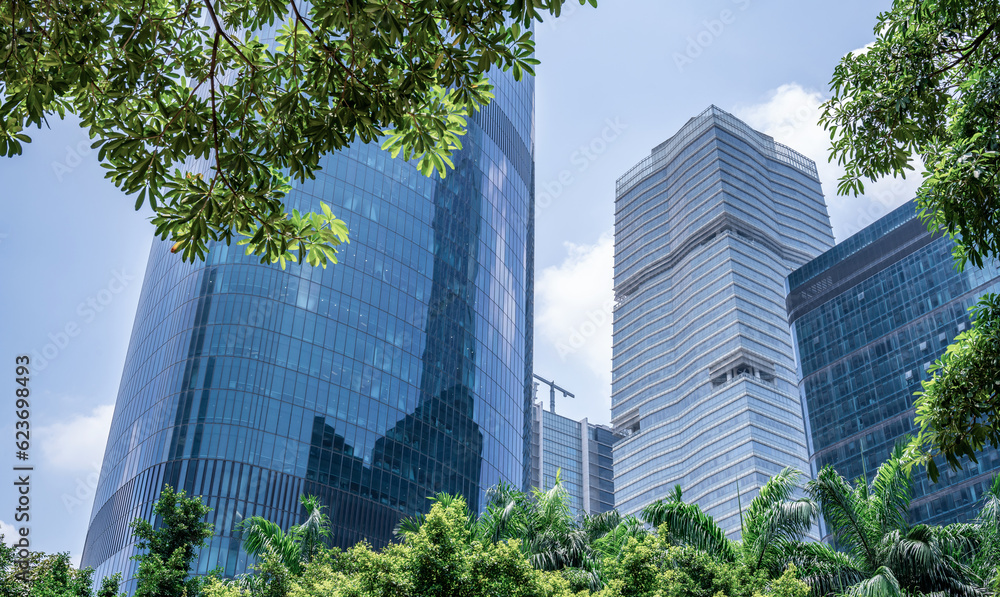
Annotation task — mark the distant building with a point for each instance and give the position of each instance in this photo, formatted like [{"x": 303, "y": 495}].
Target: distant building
[
  {"x": 869, "y": 317},
  {"x": 581, "y": 451},
  {"x": 707, "y": 228}
]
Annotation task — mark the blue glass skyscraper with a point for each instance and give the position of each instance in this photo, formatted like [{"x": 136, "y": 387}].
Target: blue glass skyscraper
[
  {"x": 401, "y": 372},
  {"x": 580, "y": 452},
  {"x": 869, "y": 317},
  {"x": 703, "y": 383}
]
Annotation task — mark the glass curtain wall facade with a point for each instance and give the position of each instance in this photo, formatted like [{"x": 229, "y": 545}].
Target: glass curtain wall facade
[
  {"x": 401, "y": 372},
  {"x": 869, "y": 317},
  {"x": 582, "y": 454},
  {"x": 703, "y": 384},
  {"x": 601, "y": 442}
]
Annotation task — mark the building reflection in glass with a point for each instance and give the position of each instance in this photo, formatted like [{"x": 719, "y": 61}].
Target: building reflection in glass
[{"x": 401, "y": 372}]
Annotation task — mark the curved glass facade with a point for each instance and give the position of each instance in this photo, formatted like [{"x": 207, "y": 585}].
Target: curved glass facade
[
  {"x": 704, "y": 381},
  {"x": 869, "y": 317},
  {"x": 401, "y": 372}
]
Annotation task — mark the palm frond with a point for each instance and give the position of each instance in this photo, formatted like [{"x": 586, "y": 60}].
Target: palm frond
[
  {"x": 956, "y": 587},
  {"x": 611, "y": 543},
  {"x": 891, "y": 490},
  {"x": 598, "y": 525},
  {"x": 503, "y": 493},
  {"x": 989, "y": 512},
  {"x": 773, "y": 520},
  {"x": 826, "y": 570},
  {"x": 930, "y": 559},
  {"x": 846, "y": 511},
  {"x": 409, "y": 525},
  {"x": 549, "y": 534},
  {"x": 501, "y": 521},
  {"x": 686, "y": 523},
  {"x": 554, "y": 550},
  {"x": 881, "y": 584},
  {"x": 594, "y": 582},
  {"x": 261, "y": 536},
  {"x": 960, "y": 540},
  {"x": 552, "y": 506},
  {"x": 987, "y": 558},
  {"x": 247, "y": 583},
  {"x": 311, "y": 533},
  {"x": 912, "y": 555}
]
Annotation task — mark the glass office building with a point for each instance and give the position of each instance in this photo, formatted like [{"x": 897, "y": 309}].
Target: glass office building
[
  {"x": 401, "y": 372},
  {"x": 581, "y": 452},
  {"x": 707, "y": 228},
  {"x": 869, "y": 317}
]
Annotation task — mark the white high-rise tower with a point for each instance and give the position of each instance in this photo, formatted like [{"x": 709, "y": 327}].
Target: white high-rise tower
[{"x": 706, "y": 230}]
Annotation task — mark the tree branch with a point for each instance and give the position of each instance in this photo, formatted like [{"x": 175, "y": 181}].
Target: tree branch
[
  {"x": 220, "y": 30},
  {"x": 329, "y": 52},
  {"x": 969, "y": 50}
]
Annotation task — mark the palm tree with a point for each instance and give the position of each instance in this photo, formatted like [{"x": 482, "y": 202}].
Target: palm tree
[
  {"x": 506, "y": 514},
  {"x": 987, "y": 558},
  {"x": 773, "y": 525},
  {"x": 550, "y": 536},
  {"x": 314, "y": 530},
  {"x": 608, "y": 532},
  {"x": 411, "y": 524},
  {"x": 879, "y": 553},
  {"x": 542, "y": 521},
  {"x": 301, "y": 543}
]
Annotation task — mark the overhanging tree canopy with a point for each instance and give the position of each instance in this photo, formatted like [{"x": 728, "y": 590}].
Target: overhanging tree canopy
[
  {"x": 158, "y": 82},
  {"x": 929, "y": 89}
]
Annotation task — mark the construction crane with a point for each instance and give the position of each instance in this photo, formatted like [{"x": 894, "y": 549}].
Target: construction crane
[{"x": 552, "y": 392}]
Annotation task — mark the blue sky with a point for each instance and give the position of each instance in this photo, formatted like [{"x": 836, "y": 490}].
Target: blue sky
[{"x": 614, "y": 82}]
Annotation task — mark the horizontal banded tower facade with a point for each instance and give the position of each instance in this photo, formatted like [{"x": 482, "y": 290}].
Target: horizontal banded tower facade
[{"x": 704, "y": 381}]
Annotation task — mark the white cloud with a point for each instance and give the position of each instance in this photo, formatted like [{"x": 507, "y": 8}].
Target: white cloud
[
  {"x": 862, "y": 50},
  {"x": 790, "y": 114},
  {"x": 77, "y": 444},
  {"x": 573, "y": 306},
  {"x": 8, "y": 531}
]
